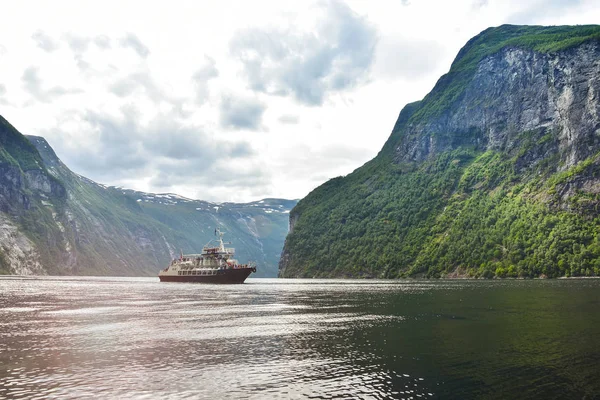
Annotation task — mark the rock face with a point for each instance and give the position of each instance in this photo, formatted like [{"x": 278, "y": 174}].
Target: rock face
[
  {"x": 19, "y": 252},
  {"x": 517, "y": 90},
  {"x": 53, "y": 221},
  {"x": 495, "y": 172}
]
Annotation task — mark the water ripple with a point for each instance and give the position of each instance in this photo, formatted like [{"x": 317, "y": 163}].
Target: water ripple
[{"x": 134, "y": 338}]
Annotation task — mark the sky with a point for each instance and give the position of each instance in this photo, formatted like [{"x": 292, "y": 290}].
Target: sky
[{"x": 234, "y": 100}]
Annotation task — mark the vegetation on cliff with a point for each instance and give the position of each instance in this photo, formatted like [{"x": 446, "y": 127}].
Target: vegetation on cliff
[
  {"x": 16, "y": 150},
  {"x": 468, "y": 209}
]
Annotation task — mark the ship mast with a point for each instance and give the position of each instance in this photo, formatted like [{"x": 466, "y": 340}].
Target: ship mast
[{"x": 221, "y": 245}]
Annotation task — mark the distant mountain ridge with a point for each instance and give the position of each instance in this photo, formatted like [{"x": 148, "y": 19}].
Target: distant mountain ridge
[
  {"x": 53, "y": 221},
  {"x": 496, "y": 172}
]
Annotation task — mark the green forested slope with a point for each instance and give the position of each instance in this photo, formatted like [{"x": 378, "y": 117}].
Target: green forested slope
[
  {"x": 465, "y": 210},
  {"x": 470, "y": 207}
]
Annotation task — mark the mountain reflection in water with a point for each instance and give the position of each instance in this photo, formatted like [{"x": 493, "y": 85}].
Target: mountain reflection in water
[{"x": 273, "y": 338}]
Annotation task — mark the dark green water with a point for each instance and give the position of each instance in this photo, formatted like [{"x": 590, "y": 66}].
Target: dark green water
[{"x": 269, "y": 338}]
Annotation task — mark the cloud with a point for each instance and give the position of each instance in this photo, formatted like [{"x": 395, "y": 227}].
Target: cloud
[
  {"x": 288, "y": 119},
  {"x": 165, "y": 151},
  {"x": 33, "y": 85},
  {"x": 133, "y": 42},
  {"x": 335, "y": 56},
  {"x": 241, "y": 113},
  {"x": 141, "y": 82},
  {"x": 126, "y": 86},
  {"x": 78, "y": 45},
  {"x": 102, "y": 42},
  {"x": 218, "y": 175},
  {"x": 44, "y": 41},
  {"x": 3, "y": 101},
  {"x": 407, "y": 58},
  {"x": 202, "y": 76}
]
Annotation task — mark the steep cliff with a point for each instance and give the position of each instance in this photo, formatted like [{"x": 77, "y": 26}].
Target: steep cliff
[
  {"x": 494, "y": 172},
  {"x": 28, "y": 194},
  {"x": 53, "y": 221}
]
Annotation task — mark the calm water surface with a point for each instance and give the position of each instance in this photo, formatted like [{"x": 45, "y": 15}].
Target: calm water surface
[{"x": 138, "y": 338}]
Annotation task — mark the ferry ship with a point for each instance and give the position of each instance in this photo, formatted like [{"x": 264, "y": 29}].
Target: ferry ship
[{"x": 214, "y": 265}]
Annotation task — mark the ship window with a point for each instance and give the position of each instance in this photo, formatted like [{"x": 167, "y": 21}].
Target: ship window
[{"x": 178, "y": 272}]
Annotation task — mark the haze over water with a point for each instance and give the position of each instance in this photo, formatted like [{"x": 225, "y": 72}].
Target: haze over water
[{"x": 269, "y": 338}]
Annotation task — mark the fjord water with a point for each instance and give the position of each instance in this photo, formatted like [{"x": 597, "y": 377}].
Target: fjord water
[{"x": 270, "y": 338}]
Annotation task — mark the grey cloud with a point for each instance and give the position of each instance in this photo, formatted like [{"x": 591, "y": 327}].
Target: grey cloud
[
  {"x": 407, "y": 58},
  {"x": 241, "y": 113},
  {"x": 143, "y": 82},
  {"x": 124, "y": 87},
  {"x": 102, "y": 42},
  {"x": 166, "y": 150},
  {"x": 288, "y": 119},
  {"x": 335, "y": 57},
  {"x": 44, "y": 41},
  {"x": 133, "y": 42},
  {"x": 234, "y": 176},
  {"x": 214, "y": 176},
  {"x": 532, "y": 13},
  {"x": 138, "y": 80},
  {"x": 78, "y": 45},
  {"x": 116, "y": 152},
  {"x": 239, "y": 150},
  {"x": 202, "y": 76},
  {"x": 33, "y": 85}
]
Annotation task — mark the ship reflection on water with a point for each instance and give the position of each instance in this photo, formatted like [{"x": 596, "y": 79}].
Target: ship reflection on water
[{"x": 135, "y": 338}]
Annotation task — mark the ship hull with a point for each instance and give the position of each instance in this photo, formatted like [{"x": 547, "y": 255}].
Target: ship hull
[{"x": 226, "y": 276}]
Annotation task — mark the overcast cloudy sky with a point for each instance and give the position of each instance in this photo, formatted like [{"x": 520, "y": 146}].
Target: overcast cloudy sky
[{"x": 233, "y": 100}]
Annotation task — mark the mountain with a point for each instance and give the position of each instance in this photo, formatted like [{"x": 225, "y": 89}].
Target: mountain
[
  {"x": 496, "y": 172},
  {"x": 53, "y": 221}
]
